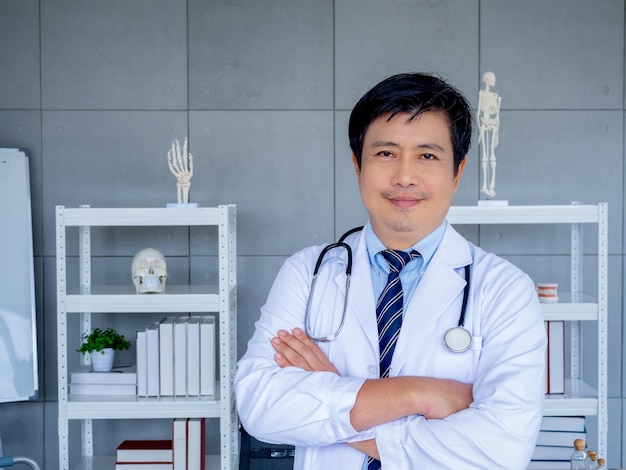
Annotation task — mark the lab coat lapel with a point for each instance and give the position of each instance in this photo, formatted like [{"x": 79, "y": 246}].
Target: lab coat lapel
[
  {"x": 361, "y": 302},
  {"x": 442, "y": 283}
]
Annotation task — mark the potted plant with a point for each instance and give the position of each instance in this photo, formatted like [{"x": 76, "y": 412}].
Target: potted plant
[{"x": 102, "y": 344}]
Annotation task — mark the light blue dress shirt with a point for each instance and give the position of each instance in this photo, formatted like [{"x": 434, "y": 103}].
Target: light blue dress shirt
[{"x": 412, "y": 272}]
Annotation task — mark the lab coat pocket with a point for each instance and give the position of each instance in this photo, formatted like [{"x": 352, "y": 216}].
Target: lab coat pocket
[{"x": 459, "y": 366}]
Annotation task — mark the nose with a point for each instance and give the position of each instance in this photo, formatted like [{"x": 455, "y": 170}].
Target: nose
[{"x": 405, "y": 174}]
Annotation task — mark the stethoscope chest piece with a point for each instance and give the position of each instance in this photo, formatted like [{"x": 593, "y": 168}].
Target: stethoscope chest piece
[{"x": 458, "y": 339}]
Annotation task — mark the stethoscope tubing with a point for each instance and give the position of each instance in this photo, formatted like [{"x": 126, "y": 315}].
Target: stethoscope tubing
[{"x": 457, "y": 339}]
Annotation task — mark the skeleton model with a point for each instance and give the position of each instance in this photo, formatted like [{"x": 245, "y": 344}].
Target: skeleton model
[
  {"x": 149, "y": 271},
  {"x": 181, "y": 166},
  {"x": 488, "y": 125}
]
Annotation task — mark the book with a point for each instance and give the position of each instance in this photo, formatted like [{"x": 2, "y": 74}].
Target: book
[
  {"x": 152, "y": 360},
  {"x": 563, "y": 423},
  {"x": 196, "y": 436},
  {"x": 548, "y": 465},
  {"x": 555, "y": 361},
  {"x": 179, "y": 438},
  {"x": 207, "y": 356},
  {"x": 180, "y": 356},
  {"x": 166, "y": 356},
  {"x": 145, "y": 451},
  {"x": 144, "y": 466},
  {"x": 103, "y": 389},
  {"x": 559, "y": 438},
  {"x": 142, "y": 363},
  {"x": 193, "y": 356},
  {"x": 118, "y": 375},
  {"x": 552, "y": 453}
]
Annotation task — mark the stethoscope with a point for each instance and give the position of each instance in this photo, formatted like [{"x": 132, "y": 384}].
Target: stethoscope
[{"x": 457, "y": 339}]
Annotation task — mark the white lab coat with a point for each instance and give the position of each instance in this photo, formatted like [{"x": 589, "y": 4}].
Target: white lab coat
[{"x": 311, "y": 409}]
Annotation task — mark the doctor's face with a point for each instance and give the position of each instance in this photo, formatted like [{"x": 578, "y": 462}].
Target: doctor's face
[{"x": 407, "y": 178}]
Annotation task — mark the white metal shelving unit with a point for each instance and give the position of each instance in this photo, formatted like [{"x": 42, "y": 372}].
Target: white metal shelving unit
[
  {"x": 78, "y": 306},
  {"x": 580, "y": 398}
]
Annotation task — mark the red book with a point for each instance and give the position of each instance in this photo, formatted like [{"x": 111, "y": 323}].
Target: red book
[
  {"x": 555, "y": 351},
  {"x": 145, "y": 451}
]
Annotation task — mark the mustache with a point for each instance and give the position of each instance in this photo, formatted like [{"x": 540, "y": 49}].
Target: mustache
[{"x": 404, "y": 194}]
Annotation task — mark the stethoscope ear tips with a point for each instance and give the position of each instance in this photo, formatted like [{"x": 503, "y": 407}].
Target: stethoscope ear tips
[{"x": 458, "y": 339}]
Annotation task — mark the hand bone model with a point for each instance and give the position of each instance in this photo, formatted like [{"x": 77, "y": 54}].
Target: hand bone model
[
  {"x": 488, "y": 125},
  {"x": 181, "y": 166}
]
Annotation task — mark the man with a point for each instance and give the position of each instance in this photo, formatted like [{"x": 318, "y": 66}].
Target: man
[{"x": 430, "y": 407}]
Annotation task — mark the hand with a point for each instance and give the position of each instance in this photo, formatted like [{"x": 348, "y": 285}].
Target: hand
[
  {"x": 298, "y": 350},
  {"x": 180, "y": 162}
]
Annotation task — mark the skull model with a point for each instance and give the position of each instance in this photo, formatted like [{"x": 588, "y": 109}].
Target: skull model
[{"x": 149, "y": 271}]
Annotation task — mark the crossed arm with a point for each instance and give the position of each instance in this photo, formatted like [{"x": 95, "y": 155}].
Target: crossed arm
[{"x": 379, "y": 400}]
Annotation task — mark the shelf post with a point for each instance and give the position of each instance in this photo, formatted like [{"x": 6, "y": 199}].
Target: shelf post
[
  {"x": 228, "y": 334},
  {"x": 577, "y": 289},
  {"x": 84, "y": 280},
  {"x": 62, "y": 339},
  {"x": 603, "y": 259}
]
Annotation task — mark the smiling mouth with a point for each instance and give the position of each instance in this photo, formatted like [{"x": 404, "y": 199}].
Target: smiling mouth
[
  {"x": 405, "y": 200},
  {"x": 405, "y": 203}
]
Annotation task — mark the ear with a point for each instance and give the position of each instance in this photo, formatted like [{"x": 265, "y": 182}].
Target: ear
[
  {"x": 459, "y": 173},
  {"x": 356, "y": 165}
]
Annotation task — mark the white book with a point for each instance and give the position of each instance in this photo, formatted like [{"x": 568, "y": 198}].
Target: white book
[
  {"x": 142, "y": 364},
  {"x": 207, "y": 356},
  {"x": 556, "y": 357},
  {"x": 152, "y": 355},
  {"x": 195, "y": 444},
  {"x": 166, "y": 356},
  {"x": 180, "y": 356},
  {"x": 552, "y": 453},
  {"x": 548, "y": 465},
  {"x": 143, "y": 466},
  {"x": 193, "y": 356},
  {"x": 179, "y": 437},
  {"x": 563, "y": 423},
  {"x": 559, "y": 438},
  {"x": 118, "y": 375}
]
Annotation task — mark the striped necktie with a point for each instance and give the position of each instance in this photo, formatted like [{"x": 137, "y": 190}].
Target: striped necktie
[{"x": 389, "y": 315}]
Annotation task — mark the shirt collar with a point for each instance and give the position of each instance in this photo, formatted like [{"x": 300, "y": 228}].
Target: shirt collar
[{"x": 426, "y": 247}]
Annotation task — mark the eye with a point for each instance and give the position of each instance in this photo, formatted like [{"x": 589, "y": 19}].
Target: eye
[
  {"x": 385, "y": 154},
  {"x": 428, "y": 156}
]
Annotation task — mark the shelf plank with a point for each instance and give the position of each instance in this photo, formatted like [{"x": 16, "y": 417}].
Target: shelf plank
[
  {"x": 118, "y": 407},
  {"x": 124, "y": 217},
  {"x": 108, "y": 463},
  {"x": 579, "y": 399},
  {"x": 565, "y": 310},
  {"x": 549, "y": 214},
  {"x": 116, "y": 299}
]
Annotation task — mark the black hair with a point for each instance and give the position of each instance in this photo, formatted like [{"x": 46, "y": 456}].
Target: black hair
[{"x": 413, "y": 93}]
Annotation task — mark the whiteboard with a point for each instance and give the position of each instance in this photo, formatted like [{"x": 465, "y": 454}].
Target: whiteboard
[{"x": 18, "y": 336}]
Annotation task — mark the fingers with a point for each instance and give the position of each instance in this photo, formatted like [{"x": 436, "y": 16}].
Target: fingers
[{"x": 298, "y": 350}]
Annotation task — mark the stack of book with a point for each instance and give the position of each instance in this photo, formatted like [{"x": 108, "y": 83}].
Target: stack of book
[
  {"x": 184, "y": 451},
  {"x": 176, "y": 357},
  {"x": 145, "y": 454},
  {"x": 119, "y": 381},
  {"x": 554, "y": 382},
  {"x": 556, "y": 441}
]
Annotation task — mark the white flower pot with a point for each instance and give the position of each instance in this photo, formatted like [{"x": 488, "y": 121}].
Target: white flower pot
[{"x": 102, "y": 361}]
